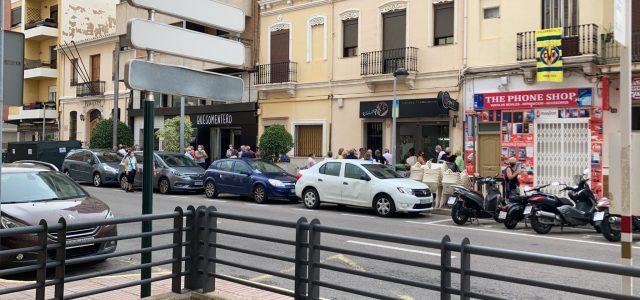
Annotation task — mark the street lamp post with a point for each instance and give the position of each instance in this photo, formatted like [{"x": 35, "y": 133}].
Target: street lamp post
[{"x": 395, "y": 112}]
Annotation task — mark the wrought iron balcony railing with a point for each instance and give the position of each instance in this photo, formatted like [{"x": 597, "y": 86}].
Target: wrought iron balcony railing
[
  {"x": 36, "y": 63},
  {"x": 90, "y": 88},
  {"x": 44, "y": 22},
  {"x": 387, "y": 61},
  {"x": 576, "y": 40},
  {"x": 611, "y": 48},
  {"x": 276, "y": 73}
]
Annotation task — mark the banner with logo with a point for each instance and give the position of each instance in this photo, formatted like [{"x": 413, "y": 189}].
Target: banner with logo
[
  {"x": 549, "y": 54},
  {"x": 572, "y": 97}
]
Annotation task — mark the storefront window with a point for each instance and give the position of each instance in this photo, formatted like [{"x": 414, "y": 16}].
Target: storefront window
[
  {"x": 374, "y": 136},
  {"x": 422, "y": 138}
]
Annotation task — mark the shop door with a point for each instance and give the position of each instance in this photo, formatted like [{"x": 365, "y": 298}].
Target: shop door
[
  {"x": 488, "y": 154},
  {"x": 562, "y": 150}
]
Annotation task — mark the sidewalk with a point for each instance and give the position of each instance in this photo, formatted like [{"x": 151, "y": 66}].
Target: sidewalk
[{"x": 224, "y": 289}]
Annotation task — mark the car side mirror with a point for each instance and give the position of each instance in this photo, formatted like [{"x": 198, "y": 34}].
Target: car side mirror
[{"x": 365, "y": 178}]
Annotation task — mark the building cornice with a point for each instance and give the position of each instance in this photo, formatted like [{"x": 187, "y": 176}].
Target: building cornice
[
  {"x": 292, "y": 7},
  {"x": 93, "y": 42}
]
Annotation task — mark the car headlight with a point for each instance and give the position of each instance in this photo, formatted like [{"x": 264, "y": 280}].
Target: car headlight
[
  {"x": 276, "y": 183},
  {"x": 109, "y": 215},
  {"x": 177, "y": 173},
  {"x": 110, "y": 169},
  {"x": 10, "y": 223},
  {"x": 405, "y": 190}
]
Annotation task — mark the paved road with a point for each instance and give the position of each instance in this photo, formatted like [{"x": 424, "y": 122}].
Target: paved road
[{"x": 575, "y": 242}]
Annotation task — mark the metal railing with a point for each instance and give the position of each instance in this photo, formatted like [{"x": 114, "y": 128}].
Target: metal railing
[
  {"x": 576, "y": 40},
  {"x": 387, "y": 61},
  {"x": 200, "y": 236},
  {"x": 44, "y": 22},
  {"x": 611, "y": 48},
  {"x": 90, "y": 88},
  {"x": 36, "y": 63},
  {"x": 284, "y": 72}
]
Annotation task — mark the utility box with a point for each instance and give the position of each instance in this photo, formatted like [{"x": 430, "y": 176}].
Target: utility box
[{"x": 52, "y": 152}]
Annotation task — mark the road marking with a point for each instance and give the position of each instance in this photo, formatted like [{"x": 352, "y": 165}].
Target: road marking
[
  {"x": 256, "y": 204},
  {"x": 359, "y": 216},
  {"x": 533, "y": 235},
  {"x": 427, "y": 223},
  {"x": 216, "y": 200},
  {"x": 395, "y": 248},
  {"x": 302, "y": 209},
  {"x": 179, "y": 197}
]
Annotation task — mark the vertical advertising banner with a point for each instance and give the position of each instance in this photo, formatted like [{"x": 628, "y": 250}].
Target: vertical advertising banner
[{"x": 549, "y": 54}]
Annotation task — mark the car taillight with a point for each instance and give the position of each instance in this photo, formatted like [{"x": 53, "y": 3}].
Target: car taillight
[{"x": 298, "y": 176}]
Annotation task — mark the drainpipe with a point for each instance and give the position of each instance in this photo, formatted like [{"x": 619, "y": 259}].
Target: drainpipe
[{"x": 464, "y": 36}]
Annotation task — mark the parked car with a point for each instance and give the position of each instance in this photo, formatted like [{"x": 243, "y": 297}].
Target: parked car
[
  {"x": 32, "y": 192},
  {"x": 362, "y": 183},
  {"x": 259, "y": 179},
  {"x": 99, "y": 167},
  {"x": 173, "y": 172}
]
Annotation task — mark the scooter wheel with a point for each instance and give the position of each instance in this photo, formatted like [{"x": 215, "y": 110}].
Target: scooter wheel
[
  {"x": 496, "y": 215},
  {"x": 510, "y": 222},
  {"x": 608, "y": 233},
  {"x": 457, "y": 215},
  {"x": 539, "y": 227}
]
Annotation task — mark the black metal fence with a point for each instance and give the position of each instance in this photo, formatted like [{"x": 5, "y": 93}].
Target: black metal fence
[
  {"x": 199, "y": 236},
  {"x": 283, "y": 72},
  {"x": 576, "y": 40},
  {"x": 90, "y": 88},
  {"x": 36, "y": 63},
  {"x": 611, "y": 48},
  {"x": 387, "y": 61}
]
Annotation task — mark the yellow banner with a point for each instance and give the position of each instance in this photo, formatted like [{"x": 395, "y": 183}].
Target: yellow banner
[{"x": 549, "y": 54}]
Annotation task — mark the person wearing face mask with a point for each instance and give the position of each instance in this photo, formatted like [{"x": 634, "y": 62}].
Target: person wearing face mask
[
  {"x": 131, "y": 167},
  {"x": 201, "y": 157},
  {"x": 230, "y": 151},
  {"x": 511, "y": 174}
]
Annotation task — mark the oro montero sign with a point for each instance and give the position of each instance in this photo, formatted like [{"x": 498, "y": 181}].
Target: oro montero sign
[
  {"x": 214, "y": 119},
  {"x": 533, "y": 99},
  {"x": 635, "y": 89}
]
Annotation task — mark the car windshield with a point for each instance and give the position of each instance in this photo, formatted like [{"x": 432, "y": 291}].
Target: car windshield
[
  {"x": 107, "y": 157},
  {"x": 41, "y": 186},
  {"x": 381, "y": 171},
  {"x": 176, "y": 160},
  {"x": 265, "y": 167}
]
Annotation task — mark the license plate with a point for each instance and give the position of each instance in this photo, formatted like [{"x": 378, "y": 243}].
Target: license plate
[
  {"x": 527, "y": 210},
  {"x": 598, "y": 216},
  {"x": 424, "y": 201},
  {"x": 198, "y": 182},
  {"x": 451, "y": 200},
  {"x": 502, "y": 215}
]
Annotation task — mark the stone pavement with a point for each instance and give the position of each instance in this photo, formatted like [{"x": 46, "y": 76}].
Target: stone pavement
[{"x": 224, "y": 289}]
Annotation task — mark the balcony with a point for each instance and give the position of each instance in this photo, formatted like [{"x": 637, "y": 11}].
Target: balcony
[
  {"x": 276, "y": 77},
  {"x": 34, "y": 111},
  {"x": 611, "y": 49},
  {"x": 37, "y": 69},
  {"x": 580, "y": 40},
  {"x": 377, "y": 67},
  {"x": 41, "y": 29},
  {"x": 90, "y": 88}
]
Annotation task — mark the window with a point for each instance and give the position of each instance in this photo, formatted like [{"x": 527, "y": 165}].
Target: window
[
  {"x": 331, "y": 169},
  {"x": 353, "y": 172},
  {"x": 16, "y": 16},
  {"x": 374, "y": 136},
  {"x": 350, "y": 38},
  {"x": 74, "y": 72},
  {"x": 241, "y": 168},
  {"x": 73, "y": 125},
  {"x": 635, "y": 118},
  {"x": 559, "y": 13},
  {"x": 226, "y": 166},
  {"x": 492, "y": 13},
  {"x": 443, "y": 24},
  {"x": 29, "y": 187},
  {"x": 308, "y": 140}
]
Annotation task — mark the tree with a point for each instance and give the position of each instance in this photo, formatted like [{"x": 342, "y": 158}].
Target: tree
[
  {"x": 275, "y": 141},
  {"x": 170, "y": 133},
  {"x": 102, "y": 135}
]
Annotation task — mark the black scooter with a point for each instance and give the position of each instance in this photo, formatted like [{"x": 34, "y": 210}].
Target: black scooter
[
  {"x": 550, "y": 210},
  {"x": 512, "y": 213},
  {"x": 469, "y": 204},
  {"x": 608, "y": 223}
]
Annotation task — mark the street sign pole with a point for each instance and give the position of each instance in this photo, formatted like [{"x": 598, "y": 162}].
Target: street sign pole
[
  {"x": 394, "y": 119},
  {"x": 1, "y": 90},
  {"x": 625, "y": 149},
  {"x": 147, "y": 179},
  {"x": 116, "y": 95},
  {"x": 184, "y": 25}
]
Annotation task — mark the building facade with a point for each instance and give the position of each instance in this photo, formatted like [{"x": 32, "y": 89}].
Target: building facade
[{"x": 326, "y": 70}]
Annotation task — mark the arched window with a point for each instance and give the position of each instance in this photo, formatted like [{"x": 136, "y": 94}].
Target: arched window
[{"x": 73, "y": 125}]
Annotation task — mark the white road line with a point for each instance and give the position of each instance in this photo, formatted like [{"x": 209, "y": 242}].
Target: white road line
[
  {"x": 394, "y": 248},
  {"x": 428, "y": 223},
  {"x": 216, "y": 200},
  {"x": 359, "y": 216},
  {"x": 256, "y": 204},
  {"x": 302, "y": 209},
  {"x": 533, "y": 235},
  {"x": 179, "y": 197}
]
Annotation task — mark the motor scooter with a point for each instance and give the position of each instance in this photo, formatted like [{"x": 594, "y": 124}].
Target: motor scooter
[
  {"x": 608, "y": 223},
  {"x": 512, "y": 213},
  {"x": 470, "y": 204}
]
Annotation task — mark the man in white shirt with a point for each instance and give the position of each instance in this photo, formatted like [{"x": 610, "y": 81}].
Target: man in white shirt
[
  {"x": 387, "y": 155},
  {"x": 122, "y": 150},
  {"x": 441, "y": 154}
]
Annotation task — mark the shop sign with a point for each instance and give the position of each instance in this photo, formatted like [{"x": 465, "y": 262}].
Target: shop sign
[
  {"x": 533, "y": 99},
  {"x": 214, "y": 119},
  {"x": 410, "y": 108},
  {"x": 635, "y": 89},
  {"x": 547, "y": 113}
]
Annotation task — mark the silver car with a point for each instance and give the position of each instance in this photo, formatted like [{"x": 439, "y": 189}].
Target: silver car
[
  {"x": 172, "y": 172},
  {"x": 99, "y": 167}
]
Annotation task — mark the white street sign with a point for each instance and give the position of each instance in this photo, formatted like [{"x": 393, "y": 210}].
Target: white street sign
[
  {"x": 205, "y": 12},
  {"x": 148, "y": 35},
  {"x": 181, "y": 81},
  {"x": 619, "y": 9}
]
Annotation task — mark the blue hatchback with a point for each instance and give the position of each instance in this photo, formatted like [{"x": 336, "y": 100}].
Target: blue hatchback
[{"x": 256, "y": 178}]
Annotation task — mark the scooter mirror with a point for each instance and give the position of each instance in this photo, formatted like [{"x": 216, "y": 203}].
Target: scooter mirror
[{"x": 585, "y": 172}]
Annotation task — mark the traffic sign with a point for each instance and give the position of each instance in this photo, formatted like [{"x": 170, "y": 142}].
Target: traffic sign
[
  {"x": 204, "y": 12},
  {"x": 149, "y": 35},
  {"x": 181, "y": 81}
]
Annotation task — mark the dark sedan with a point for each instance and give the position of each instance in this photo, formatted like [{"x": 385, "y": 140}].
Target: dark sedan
[
  {"x": 256, "y": 178},
  {"x": 32, "y": 192}
]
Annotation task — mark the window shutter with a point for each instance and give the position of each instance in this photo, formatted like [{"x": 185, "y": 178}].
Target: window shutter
[
  {"x": 308, "y": 140},
  {"x": 443, "y": 23},
  {"x": 350, "y": 33}
]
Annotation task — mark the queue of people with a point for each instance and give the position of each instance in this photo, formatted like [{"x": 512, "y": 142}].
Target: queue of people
[{"x": 454, "y": 160}]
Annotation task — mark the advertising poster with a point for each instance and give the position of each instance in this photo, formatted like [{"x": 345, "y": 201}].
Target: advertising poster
[
  {"x": 596, "y": 127},
  {"x": 517, "y": 141}
]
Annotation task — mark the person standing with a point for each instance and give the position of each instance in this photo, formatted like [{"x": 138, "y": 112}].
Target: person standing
[
  {"x": 459, "y": 161},
  {"x": 311, "y": 161},
  {"x": 379, "y": 158},
  {"x": 329, "y": 155},
  {"x": 511, "y": 174},
  {"x": 189, "y": 153},
  {"x": 340, "y": 153},
  {"x": 351, "y": 155},
  {"x": 248, "y": 153},
  {"x": 411, "y": 157},
  {"x": 121, "y": 150},
  {"x": 201, "y": 157},
  {"x": 439, "y": 154},
  {"x": 387, "y": 155},
  {"x": 131, "y": 168},
  {"x": 229, "y": 151}
]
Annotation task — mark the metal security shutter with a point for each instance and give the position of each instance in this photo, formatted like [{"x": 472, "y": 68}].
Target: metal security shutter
[
  {"x": 562, "y": 150},
  {"x": 443, "y": 20},
  {"x": 394, "y": 30},
  {"x": 308, "y": 140},
  {"x": 349, "y": 37}
]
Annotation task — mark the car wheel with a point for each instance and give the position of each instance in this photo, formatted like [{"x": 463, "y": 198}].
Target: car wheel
[
  {"x": 97, "y": 180},
  {"x": 123, "y": 182},
  {"x": 384, "y": 206},
  {"x": 210, "y": 190},
  {"x": 260, "y": 194},
  {"x": 164, "y": 186},
  {"x": 311, "y": 198}
]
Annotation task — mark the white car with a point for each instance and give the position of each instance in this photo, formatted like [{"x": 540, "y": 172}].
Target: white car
[{"x": 362, "y": 183}]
